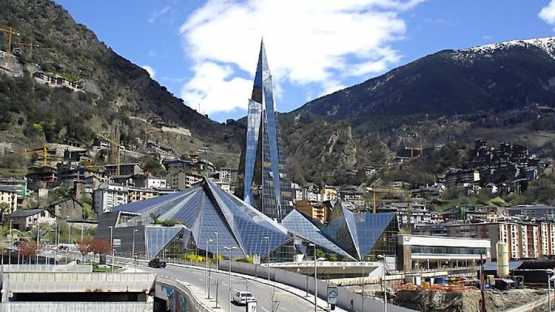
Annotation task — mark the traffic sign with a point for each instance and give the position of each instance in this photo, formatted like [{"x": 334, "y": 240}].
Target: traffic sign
[
  {"x": 251, "y": 306},
  {"x": 332, "y": 294}
]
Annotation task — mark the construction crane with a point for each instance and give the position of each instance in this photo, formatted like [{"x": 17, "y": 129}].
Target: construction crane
[
  {"x": 114, "y": 145},
  {"x": 27, "y": 45},
  {"x": 114, "y": 152},
  {"x": 9, "y": 32},
  {"x": 385, "y": 190},
  {"x": 43, "y": 150}
]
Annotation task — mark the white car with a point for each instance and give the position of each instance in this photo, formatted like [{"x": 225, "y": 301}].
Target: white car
[{"x": 242, "y": 297}]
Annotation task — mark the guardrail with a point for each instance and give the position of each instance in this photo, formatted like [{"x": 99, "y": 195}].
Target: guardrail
[{"x": 323, "y": 264}]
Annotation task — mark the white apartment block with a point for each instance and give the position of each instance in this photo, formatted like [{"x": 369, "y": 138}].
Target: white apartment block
[
  {"x": 8, "y": 195},
  {"x": 110, "y": 196},
  {"x": 525, "y": 240},
  {"x": 155, "y": 183}
]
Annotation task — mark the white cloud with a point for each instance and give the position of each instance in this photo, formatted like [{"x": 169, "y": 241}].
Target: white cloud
[
  {"x": 214, "y": 89},
  {"x": 308, "y": 42},
  {"x": 150, "y": 70},
  {"x": 548, "y": 13},
  {"x": 156, "y": 15}
]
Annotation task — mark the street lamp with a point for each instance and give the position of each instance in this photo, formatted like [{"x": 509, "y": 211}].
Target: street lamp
[
  {"x": 38, "y": 244},
  {"x": 383, "y": 283},
  {"x": 112, "y": 245},
  {"x": 316, "y": 276},
  {"x": 69, "y": 226},
  {"x": 549, "y": 279},
  {"x": 267, "y": 239},
  {"x": 206, "y": 271},
  {"x": 217, "y": 251},
  {"x": 133, "y": 248},
  {"x": 230, "y": 249},
  {"x": 11, "y": 243}
]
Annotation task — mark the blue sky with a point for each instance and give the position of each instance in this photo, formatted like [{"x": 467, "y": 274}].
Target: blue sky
[{"x": 205, "y": 51}]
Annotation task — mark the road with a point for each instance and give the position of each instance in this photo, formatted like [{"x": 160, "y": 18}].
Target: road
[{"x": 285, "y": 301}]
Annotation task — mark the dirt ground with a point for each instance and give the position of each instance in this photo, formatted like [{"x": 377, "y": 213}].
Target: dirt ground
[{"x": 466, "y": 301}]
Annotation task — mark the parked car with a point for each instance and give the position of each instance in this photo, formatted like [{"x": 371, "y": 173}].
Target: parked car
[
  {"x": 242, "y": 297},
  {"x": 156, "y": 263}
]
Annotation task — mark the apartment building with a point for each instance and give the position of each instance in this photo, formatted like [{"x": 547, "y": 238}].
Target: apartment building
[{"x": 525, "y": 240}]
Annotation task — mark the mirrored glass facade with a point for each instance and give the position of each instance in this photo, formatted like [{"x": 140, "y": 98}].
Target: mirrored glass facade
[
  {"x": 263, "y": 180},
  {"x": 362, "y": 234},
  {"x": 204, "y": 216},
  {"x": 302, "y": 227}
]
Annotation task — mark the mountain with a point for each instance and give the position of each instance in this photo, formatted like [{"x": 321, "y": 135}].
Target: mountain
[
  {"x": 492, "y": 77},
  {"x": 116, "y": 91},
  {"x": 501, "y": 92}
]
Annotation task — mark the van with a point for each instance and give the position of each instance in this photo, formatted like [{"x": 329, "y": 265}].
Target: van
[{"x": 242, "y": 297}]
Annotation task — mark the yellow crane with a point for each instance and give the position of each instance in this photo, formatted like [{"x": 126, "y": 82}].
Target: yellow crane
[
  {"x": 385, "y": 190},
  {"x": 29, "y": 45},
  {"x": 9, "y": 32},
  {"x": 41, "y": 150},
  {"x": 114, "y": 152}
]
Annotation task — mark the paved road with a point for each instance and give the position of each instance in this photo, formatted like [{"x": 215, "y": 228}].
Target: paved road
[{"x": 263, "y": 293}]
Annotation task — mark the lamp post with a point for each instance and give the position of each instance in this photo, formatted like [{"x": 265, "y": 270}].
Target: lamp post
[
  {"x": 230, "y": 249},
  {"x": 316, "y": 259},
  {"x": 133, "y": 249},
  {"x": 383, "y": 283},
  {"x": 56, "y": 242},
  {"x": 112, "y": 245},
  {"x": 206, "y": 270},
  {"x": 549, "y": 278},
  {"x": 217, "y": 250},
  {"x": 38, "y": 244},
  {"x": 267, "y": 239},
  {"x": 11, "y": 243},
  {"x": 69, "y": 226}
]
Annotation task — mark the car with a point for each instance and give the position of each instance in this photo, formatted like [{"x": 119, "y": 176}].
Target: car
[
  {"x": 156, "y": 263},
  {"x": 242, "y": 297}
]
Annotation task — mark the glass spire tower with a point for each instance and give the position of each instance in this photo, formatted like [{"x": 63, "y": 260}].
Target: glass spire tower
[{"x": 263, "y": 182}]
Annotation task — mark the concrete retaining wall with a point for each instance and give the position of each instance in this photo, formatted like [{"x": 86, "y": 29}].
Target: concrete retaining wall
[
  {"x": 167, "y": 289},
  {"x": 76, "y": 306},
  {"x": 44, "y": 282},
  {"x": 74, "y": 268}
]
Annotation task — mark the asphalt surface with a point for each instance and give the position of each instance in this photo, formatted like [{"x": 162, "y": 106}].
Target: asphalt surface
[{"x": 283, "y": 301}]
